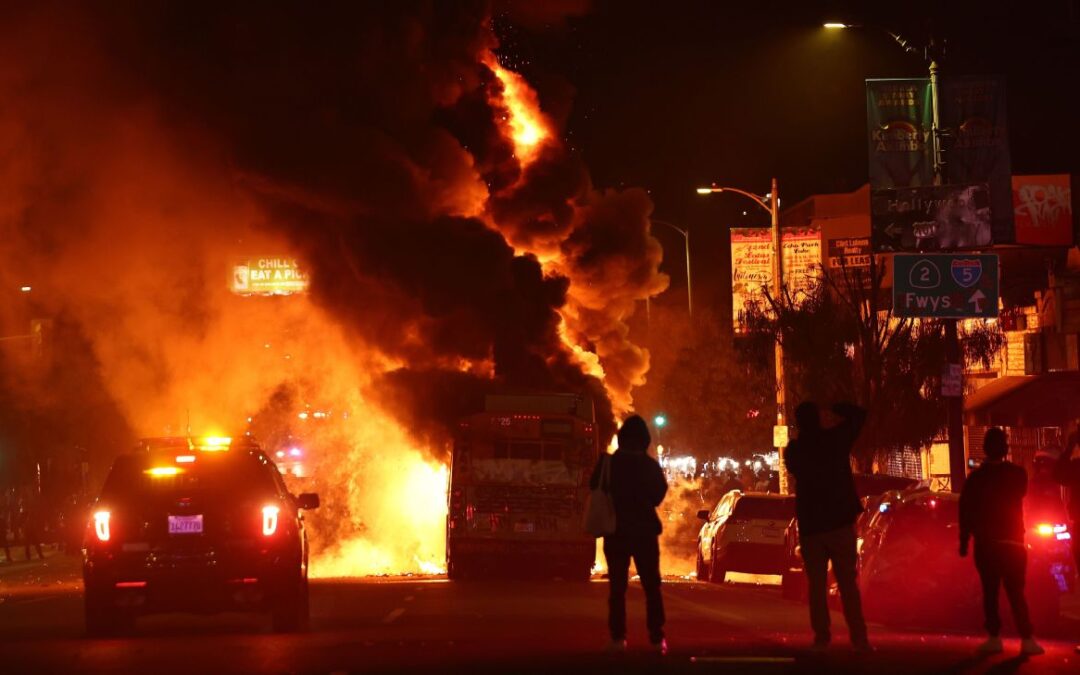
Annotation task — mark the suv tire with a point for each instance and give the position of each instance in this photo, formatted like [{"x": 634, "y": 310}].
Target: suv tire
[{"x": 291, "y": 611}]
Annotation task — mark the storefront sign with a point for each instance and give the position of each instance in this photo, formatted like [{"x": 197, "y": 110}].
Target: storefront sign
[{"x": 268, "y": 276}]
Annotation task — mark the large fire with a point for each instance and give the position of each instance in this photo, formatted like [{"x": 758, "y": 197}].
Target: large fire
[
  {"x": 437, "y": 264},
  {"x": 518, "y": 111}
]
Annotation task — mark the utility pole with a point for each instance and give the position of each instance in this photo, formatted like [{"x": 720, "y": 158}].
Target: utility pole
[
  {"x": 773, "y": 207},
  {"x": 954, "y": 405}
]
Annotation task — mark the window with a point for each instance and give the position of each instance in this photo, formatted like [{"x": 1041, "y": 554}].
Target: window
[
  {"x": 765, "y": 509},
  {"x": 526, "y": 450}
]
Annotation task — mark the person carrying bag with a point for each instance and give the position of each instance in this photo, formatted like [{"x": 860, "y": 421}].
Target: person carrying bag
[
  {"x": 631, "y": 528},
  {"x": 600, "y": 510}
]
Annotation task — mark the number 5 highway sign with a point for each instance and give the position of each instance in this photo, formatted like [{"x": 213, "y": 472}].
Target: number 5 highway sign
[{"x": 945, "y": 285}]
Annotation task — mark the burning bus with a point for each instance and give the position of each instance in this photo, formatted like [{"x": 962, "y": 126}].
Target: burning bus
[{"x": 518, "y": 484}]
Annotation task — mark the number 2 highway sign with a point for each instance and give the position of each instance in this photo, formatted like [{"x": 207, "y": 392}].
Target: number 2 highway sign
[{"x": 945, "y": 285}]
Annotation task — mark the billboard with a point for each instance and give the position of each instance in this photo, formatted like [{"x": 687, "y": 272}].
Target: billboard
[
  {"x": 268, "y": 275},
  {"x": 972, "y": 111},
  {"x": 752, "y": 265},
  {"x": 940, "y": 218},
  {"x": 1042, "y": 210}
]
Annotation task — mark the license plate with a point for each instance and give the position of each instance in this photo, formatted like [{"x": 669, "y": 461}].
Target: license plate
[
  {"x": 524, "y": 527},
  {"x": 185, "y": 524}
]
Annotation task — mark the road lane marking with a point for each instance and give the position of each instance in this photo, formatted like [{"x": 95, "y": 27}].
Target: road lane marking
[
  {"x": 410, "y": 598},
  {"x": 742, "y": 659},
  {"x": 394, "y": 615}
]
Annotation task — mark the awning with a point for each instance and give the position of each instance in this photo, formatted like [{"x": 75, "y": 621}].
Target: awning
[{"x": 1046, "y": 400}]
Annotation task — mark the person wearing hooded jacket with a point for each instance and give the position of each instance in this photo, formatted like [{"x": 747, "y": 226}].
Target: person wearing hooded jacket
[{"x": 637, "y": 487}]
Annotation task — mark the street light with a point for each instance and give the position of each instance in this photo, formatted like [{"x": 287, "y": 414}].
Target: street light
[
  {"x": 771, "y": 203},
  {"x": 659, "y": 421},
  {"x": 931, "y": 53},
  {"x": 835, "y": 24},
  {"x": 689, "y": 295}
]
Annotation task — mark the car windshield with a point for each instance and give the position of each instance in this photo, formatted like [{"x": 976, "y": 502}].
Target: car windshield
[
  {"x": 765, "y": 509},
  {"x": 142, "y": 478}
]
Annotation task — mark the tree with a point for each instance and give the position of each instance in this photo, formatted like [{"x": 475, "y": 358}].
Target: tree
[
  {"x": 719, "y": 399},
  {"x": 842, "y": 341}
]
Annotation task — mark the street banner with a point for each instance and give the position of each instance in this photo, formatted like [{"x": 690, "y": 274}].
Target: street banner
[
  {"x": 751, "y": 269},
  {"x": 972, "y": 111},
  {"x": 899, "y": 120},
  {"x": 802, "y": 260},
  {"x": 945, "y": 286},
  {"x": 268, "y": 275},
  {"x": 1042, "y": 210},
  {"x": 938, "y": 218},
  {"x": 752, "y": 266}
]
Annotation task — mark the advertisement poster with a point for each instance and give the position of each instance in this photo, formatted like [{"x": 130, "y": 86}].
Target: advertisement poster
[
  {"x": 972, "y": 111},
  {"x": 752, "y": 265},
  {"x": 941, "y": 218},
  {"x": 1042, "y": 210},
  {"x": 899, "y": 123}
]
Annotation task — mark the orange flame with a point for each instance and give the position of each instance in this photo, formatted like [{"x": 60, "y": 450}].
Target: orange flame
[{"x": 520, "y": 117}]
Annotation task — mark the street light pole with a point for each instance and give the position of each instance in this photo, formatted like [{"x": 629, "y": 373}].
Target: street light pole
[
  {"x": 773, "y": 207},
  {"x": 954, "y": 406},
  {"x": 689, "y": 291}
]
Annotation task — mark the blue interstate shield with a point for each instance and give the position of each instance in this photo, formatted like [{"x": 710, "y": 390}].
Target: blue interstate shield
[{"x": 967, "y": 271}]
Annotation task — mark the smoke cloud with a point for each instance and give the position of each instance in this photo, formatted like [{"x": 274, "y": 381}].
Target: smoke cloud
[{"x": 146, "y": 147}]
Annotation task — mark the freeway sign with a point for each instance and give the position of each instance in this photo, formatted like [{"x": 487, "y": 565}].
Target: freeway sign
[{"x": 945, "y": 285}]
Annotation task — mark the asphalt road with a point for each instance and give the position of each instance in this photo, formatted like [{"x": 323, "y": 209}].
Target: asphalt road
[{"x": 498, "y": 626}]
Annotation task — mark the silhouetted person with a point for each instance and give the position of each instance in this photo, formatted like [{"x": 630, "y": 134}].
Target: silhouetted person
[
  {"x": 33, "y": 523},
  {"x": 732, "y": 483},
  {"x": 992, "y": 512},
  {"x": 826, "y": 506},
  {"x": 7, "y": 522},
  {"x": 637, "y": 488}
]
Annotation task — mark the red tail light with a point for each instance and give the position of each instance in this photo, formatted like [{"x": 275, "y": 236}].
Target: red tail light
[
  {"x": 270, "y": 520},
  {"x": 101, "y": 525}
]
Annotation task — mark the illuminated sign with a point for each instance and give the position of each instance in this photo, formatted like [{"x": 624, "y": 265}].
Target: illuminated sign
[{"x": 268, "y": 275}]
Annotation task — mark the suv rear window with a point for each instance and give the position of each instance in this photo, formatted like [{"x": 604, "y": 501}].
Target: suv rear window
[
  {"x": 238, "y": 477},
  {"x": 765, "y": 509}
]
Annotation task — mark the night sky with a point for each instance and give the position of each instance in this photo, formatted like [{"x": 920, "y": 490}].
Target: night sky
[{"x": 674, "y": 95}]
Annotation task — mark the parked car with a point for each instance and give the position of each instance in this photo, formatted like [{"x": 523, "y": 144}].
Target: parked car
[
  {"x": 911, "y": 544},
  {"x": 743, "y": 533}
]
